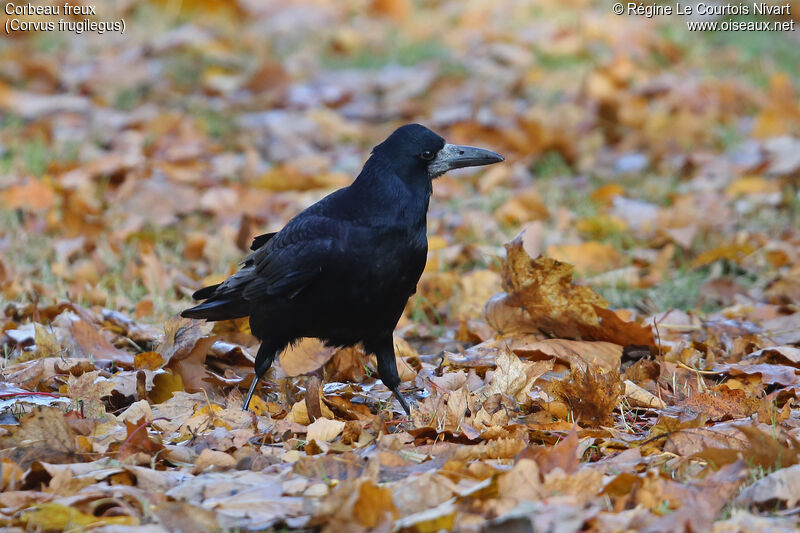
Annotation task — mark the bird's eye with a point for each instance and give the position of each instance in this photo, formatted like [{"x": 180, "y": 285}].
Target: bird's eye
[{"x": 427, "y": 155}]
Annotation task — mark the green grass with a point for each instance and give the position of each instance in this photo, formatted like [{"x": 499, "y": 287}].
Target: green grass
[
  {"x": 551, "y": 164},
  {"x": 220, "y": 125},
  {"x": 681, "y": 291},
  {"x": 31, "y": 156},
  {"x": 759, "y": 54},
  {"x": 401, "y": 53}
]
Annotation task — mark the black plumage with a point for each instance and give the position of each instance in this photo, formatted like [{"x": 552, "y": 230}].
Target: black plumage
[{"x": 343, "y": 269}]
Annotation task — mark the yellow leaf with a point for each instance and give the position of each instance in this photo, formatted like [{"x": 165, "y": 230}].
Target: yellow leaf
[
  {"x": 588, "y": 257},
  {"x": 732, "y": 252},
  {"x": 148, "y": 361},
  {"x": 55, "y": 516},
  {"x": 601, "y": 226},
  {"x": 258, "y": 406},
  {"x": 523, "y": 207},
  {"x": 164, "y": 385},
  {"x": 373, "y": 504},
  {"x": 324, "y": 430},
  {"x": 46, "y": 343},
  {"x": 605, "y": 194},
  {"x": 435, "y": 242},
  {"x": 299, "y": 413},
  {"x": 752, "y": 185}
]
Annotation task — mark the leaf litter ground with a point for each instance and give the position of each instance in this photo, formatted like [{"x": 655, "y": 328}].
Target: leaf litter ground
[{"x": 605, "y": 337}]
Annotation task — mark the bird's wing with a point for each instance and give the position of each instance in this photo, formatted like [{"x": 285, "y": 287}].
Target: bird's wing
[
  {"x": 261, "y": 240},
  {"x": 287, "y": 262}
]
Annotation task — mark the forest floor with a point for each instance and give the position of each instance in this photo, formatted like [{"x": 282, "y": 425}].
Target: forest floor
[{"x": 605, "y": 337}]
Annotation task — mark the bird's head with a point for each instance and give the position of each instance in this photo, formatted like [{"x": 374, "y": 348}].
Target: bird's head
[{"x": 414, "y": 150}]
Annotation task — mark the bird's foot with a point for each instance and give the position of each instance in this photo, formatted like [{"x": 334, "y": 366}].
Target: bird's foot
[{"x": 400, "y": 399}]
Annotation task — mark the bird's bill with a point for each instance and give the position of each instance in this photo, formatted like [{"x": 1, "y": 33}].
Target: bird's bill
[{"x": 457, "y": 156}]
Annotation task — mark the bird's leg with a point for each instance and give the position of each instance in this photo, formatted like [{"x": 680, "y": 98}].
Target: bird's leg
[
  {"x": 387, "y": 368},
  {"x": 264, "y": 357}
]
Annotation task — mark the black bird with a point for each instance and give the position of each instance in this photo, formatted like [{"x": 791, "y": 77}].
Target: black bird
[{"x": 343, "y": 269}]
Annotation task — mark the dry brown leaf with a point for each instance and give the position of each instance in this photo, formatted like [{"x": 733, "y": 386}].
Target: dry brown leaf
[
  {"x": 515, "y": 378},
  {"x": 544, "y": 288},
  {"x": 688, "y": 441},
  {"x": 523, "y": 207},
  {"x": 46, "y": 343},
  {"x": 33, "y": 194},
  {"x": 42, "y": 435},
  {"x": 495, "y": 449},
  {"x": 138, "y": 441},
  {"x": 181, "y": 335},
  {"x": 591, "y": 394},
  {"x": 305, "y": 356},
  {"x": 87, "y": 391},
  {"x": 563, "y": 456},
  {"x": 209, "y": 458},
  {"x": 91, "y": 343},
  {"x": 148, "y": 361},
  {"x": 299, "y": 413},
  {"x": 639, "y": 397},
  {"x": 602, "y": 354},
  {"x": 522, "y": 482},
  {"x": 374, "y": 504},
  {"x": 782, "y": 486},
  {"x": 476, "y": 288},
  {"x": 721, "y": 404},
  {"x": 348, "y": 364},
  {"x": 396, "y": 9},
  {"x": 583, "y": 484},
  {"x": 771, "y": 374},
  {"x": 761, "y": 449}
]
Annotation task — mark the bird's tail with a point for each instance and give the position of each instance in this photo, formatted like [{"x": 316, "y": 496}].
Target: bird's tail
[{"x": 216, "y": 307}]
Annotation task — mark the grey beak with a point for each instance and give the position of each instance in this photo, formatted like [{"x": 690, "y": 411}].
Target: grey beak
[{"x": 456, "y": 156}]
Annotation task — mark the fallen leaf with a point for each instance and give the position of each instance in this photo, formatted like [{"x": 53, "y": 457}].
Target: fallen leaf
[
  {"x": 515, "y": 378},
  {"x": 91, "y": 343},
  {"x": 374, "y": 505},
  {"x": 721, "y": 404},
  {"x": 591, "y": 394},
  {"x": 324, "y": 430},
  {"x": 55, "y": 516},
  {"x": 181, "y": 335},
  {"x": 544, "y": 288},
  {"x": 305, "y": 356},
  {"x": 639, "y": 397},
  {"x": 42, "y": 435},
  {"x": 138, "y": 440},
  {"x": 87, "y": 392},
  {"x": 589, "y": 257},
  {"x": 782, "y": 485},
  {"x": 209, "y": 458},
  {"x": 522, "y": 482}
]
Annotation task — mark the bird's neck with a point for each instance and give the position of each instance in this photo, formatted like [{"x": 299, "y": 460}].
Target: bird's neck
[{"x": 383, "y": 183}]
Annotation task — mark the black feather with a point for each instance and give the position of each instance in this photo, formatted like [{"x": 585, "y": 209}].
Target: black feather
[
  {"x": 205, "y": 292},
  {"x": 261, "y": 240}
]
